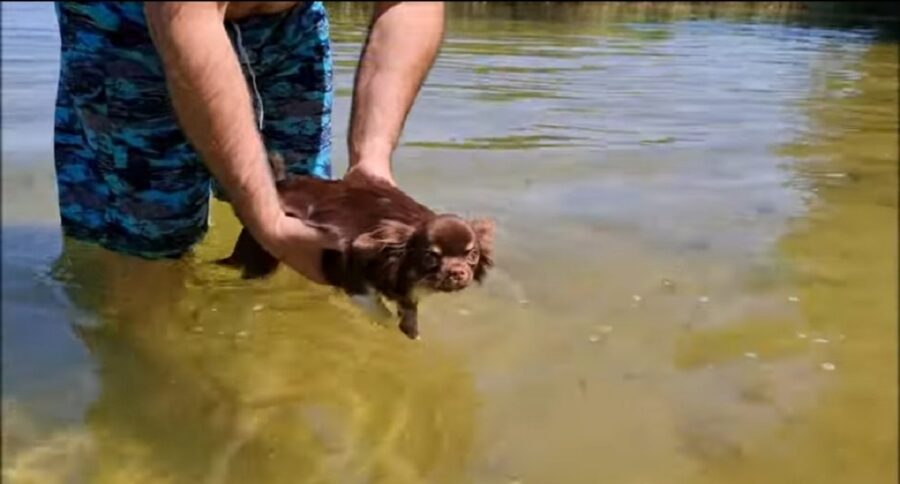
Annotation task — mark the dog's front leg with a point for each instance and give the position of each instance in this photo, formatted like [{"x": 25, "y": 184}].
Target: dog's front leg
[
  {"x": 250, "y": 256},
  {"x": 408, "y": 310}
]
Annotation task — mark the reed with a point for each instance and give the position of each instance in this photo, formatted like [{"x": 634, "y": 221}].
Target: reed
[{"x": 835, "y": 14}]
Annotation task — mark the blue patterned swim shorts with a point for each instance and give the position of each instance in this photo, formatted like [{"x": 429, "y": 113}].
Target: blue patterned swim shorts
[{"x": 127, "y": 178}]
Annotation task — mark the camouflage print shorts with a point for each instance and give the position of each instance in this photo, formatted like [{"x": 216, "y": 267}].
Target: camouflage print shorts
[{"x": 127, "y": 178}]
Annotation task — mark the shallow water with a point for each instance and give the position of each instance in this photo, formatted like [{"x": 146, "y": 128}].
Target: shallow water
[{"x": 696, "y": 277}]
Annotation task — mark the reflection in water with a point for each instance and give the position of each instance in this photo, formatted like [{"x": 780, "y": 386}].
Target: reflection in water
[
  {"x": 695, "y": 284},
  {"x": 843, "y": 260},
  {"x": 221, "y": 384}
]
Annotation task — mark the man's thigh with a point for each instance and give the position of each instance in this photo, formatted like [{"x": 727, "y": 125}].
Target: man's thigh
[
  {"x": 288, "y": 62},
  {"x": 127, "y": 178},
  {"x": 298, "y": 97}
]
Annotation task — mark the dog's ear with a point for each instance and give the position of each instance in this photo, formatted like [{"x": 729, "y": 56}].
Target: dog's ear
[
  {"x": 249, "y": 256},
  {"x": 484, "y": 230},
  {"x": 389, "y": 236},
  {"x": 385, "y": 246}
]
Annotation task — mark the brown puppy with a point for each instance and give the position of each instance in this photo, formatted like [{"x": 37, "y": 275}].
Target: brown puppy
[{"x": 392, "y": 245}]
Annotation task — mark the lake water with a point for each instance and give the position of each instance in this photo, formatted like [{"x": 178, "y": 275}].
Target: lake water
[{"x": 696, "y": 277}]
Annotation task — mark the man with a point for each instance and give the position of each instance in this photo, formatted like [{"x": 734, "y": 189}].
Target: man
[{"x": 158, "y": 99}]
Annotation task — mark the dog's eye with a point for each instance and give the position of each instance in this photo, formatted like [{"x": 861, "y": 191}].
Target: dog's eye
[
  {"x": 432, "y": 260},
  {"x": 472, "y": 256}
]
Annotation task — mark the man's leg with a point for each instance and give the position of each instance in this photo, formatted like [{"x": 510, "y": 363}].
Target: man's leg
[
  {"x": 288, "y": 64},
  {"x": 127, "y": 178},
  {"x": 297, "y": 94}
]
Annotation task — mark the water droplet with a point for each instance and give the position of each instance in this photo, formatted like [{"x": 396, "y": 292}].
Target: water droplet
[
  {"x": 668, "y": 286},
  {"x": 636, "y": 298},
  {"x": 593, "y": 338},
  {"x": 605, "y": 329},
  {"x": 197, "y": 329},
  {"x": 820, "y": 340},
  {"x": 241, "y": 334},
  {"x": 828, "y": 366},
  {"x": 793, "y": 299},
  {"x": 836, "y": 175},
  {"x": 801, "y": 335},
  {"x": 751, "y": 355},
  {"x": 703, "y": 299},
  {"x": 523, "y": 301},
  {"x": 464, "y": 312},
  {"x": 214, "y": 309},
  {"x": 258, "y": 307}
]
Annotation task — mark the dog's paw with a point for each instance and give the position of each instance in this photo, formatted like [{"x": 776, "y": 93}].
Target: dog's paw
[{"x": 410, "y": 332}]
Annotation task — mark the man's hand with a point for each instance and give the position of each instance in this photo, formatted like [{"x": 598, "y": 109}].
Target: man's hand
[
  {"x": 371, "y": 171},
  {"x": 213, "y": 105},
  {"x": 299, "y": 246},
  {"x": 403, "y": 42}
]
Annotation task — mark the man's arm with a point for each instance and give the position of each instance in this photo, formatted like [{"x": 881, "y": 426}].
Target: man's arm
[
  {"x": 213, "y": 106},
  {"x": 403, "y": 42}
]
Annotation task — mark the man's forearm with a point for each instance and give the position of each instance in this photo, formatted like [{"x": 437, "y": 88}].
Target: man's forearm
[
  {"x": 403, "y": 42},
  {"x": 213, "y": 106}
]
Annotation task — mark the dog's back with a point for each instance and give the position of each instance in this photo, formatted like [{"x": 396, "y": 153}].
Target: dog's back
[{"x": 349, "y": 208}]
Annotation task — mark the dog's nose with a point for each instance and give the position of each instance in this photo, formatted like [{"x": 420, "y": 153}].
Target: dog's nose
[{"x": 457, "y": 274}]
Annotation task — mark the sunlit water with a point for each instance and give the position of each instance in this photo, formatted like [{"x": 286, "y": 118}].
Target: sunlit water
[{"x": 696, "y": 278}]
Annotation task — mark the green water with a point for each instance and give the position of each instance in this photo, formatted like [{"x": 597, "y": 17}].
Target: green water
[{"x": 696, "y": 281}]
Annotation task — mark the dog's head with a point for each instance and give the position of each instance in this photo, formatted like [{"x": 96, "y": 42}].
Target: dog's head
[
  {"x": 450, "y": 252},
  {"x": 445, "y": 253}
]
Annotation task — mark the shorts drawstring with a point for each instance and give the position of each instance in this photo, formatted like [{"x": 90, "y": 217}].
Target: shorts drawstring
[{"x": 246, "y": 60}]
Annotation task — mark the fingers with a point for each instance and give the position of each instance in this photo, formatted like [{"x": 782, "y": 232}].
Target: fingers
[
  {"x": 299, "y": 246},
  {"x": 366, "y": 172}
]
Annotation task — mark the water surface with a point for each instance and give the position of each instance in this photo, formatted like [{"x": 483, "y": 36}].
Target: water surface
[{"x": 696, "y": 276}]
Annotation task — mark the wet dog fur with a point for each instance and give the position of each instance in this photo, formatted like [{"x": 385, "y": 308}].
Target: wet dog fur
[{"x": 391, "y": 245}]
